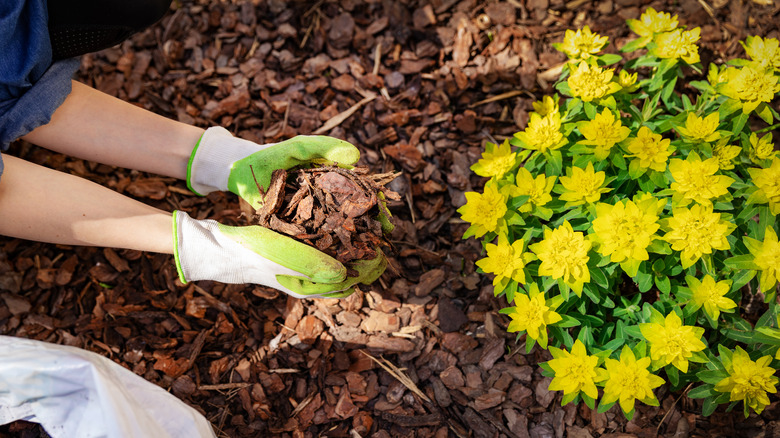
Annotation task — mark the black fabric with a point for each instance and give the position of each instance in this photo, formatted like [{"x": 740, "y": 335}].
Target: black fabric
[{"x": 77, "y": 27}]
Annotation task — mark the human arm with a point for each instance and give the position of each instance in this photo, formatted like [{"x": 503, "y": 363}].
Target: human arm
[
  {"x": 41, "y": 204},
  {"x": 94, "y": 126}
]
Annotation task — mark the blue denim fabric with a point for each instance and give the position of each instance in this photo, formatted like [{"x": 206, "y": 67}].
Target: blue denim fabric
[{"x": 31, "y": 87}]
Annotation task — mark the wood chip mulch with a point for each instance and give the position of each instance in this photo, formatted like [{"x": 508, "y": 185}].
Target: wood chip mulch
[{"x": 418, "y": 86}]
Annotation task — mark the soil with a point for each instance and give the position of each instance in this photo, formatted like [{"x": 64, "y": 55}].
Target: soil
[{"x": 418, "y": 86}]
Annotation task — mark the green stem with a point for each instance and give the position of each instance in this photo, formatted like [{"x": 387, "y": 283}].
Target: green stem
[{"x": 768, "y": 128}]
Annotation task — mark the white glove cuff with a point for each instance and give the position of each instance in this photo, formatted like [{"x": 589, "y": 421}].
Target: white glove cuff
[
  {"x": 203, "y": 252},
  {"x": 211, "y": 160}
]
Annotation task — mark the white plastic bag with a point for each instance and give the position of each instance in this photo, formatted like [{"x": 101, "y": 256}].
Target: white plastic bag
[{"x": 77, "y": 393}]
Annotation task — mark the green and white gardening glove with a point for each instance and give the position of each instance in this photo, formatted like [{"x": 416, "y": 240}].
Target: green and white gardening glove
[
  {"x": 208, "y": 250},
  {"x": 223, "y": 162}
]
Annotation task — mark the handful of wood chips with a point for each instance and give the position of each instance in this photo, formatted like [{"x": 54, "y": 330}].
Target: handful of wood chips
[{"x": 334, "y": 209}]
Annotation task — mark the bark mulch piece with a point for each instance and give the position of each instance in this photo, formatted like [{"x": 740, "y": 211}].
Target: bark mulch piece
[
  {"x": 331, "y": 208},
  {"x": 418, "y": 87}
]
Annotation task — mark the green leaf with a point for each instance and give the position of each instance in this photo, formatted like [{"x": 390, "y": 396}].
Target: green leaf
[
  {"x": 634, "y": 332},
  {"x": 709, "y": 407},
  {"x": 591, "y": 402},
  {"x": 594, "y": 296},
  {"x": 659, "y": 179},
  {"x": 610, "y": 58},
  {"x": 605, "y": 407},
  {"x": 742, "y": 278},
  {"x": 740, "y": 336},
  {"x": 673, "y": 375},
  {"x": 614, "y": 344},
  {"x": 659, "y": 246},
  {"x": 702, "y": 391},
  {"x": 644, "y": 281},
  {"x": 511, "y": 290},
  {"x": 564, "y": 88},
  {"x": 567, "y": 321},
  {"x": 711, "y": 377},
  {"x": 765, "y": 113},
  {"x": 590, "y": 110},
  {"x": 598, "y": 277},
  {"x": 517, "y": 202},
  {"x": 739, "y": 122},
  {"x": 729, "y": 107},
  {"x": 555, "y": 163},
  {"x": 663, "y": 283},
  {"x": 668, "y": 90},
  {"x": 745, "y": 261},
  {"x": 619, "y": 161}
]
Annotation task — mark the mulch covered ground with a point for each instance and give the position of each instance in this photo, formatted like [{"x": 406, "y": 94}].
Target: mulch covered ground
[{"x": 418, "y": 86}]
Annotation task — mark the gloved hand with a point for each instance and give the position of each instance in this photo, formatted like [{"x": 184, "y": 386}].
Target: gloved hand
[
  {"x": 223, "y": 162},
  {"x": 208, "y": 250}
]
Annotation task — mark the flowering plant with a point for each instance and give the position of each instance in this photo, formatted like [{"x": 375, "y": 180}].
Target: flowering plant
[{"x": 631, "y": 218}]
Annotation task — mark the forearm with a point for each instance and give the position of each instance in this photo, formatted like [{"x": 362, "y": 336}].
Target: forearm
[
  {"x": 37, "y": 203},
  {"x": 97, "y": 127}
]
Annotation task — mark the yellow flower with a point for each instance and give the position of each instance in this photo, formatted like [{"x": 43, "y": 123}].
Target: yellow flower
[
  {"x": 495, "y": 161},
  {"x": 672, "y": 342},
  {"x": 716, "y": 76},
  {"x": 575, "y": 371},
  {"x": 750, "y": 86},
  {"x": 582, "y": 185},
  {"x": 649, "y": 150},
  {"x": 546, "y": 106},
  {"x": 765, "y": 53},
  {"x": 506, "y": 261},
  {"x": 695, "y": 179},
  {"x": 624, "y": 231},
  {"x": 484, "y": 211},
  {"x": 697, "y": 231},
  {"x": 725, "y": 154},
  {"x": 698, "y": 129},
  {"x": 749, "y": 381},
  {"x": 591, "y": 82},
  {"x": 652, "y": 22},
  {"x": 581, "y": 44},
  {"x": 761, "y": 149},
  {"x": 542, "y": 133},
  {"x": 564, "y": 254},
  {"x": 767, "y": 257},
  {"x": 603, "y": 132},
  {"x": 626, "y": 79},
  {"x": 532, "y": 314},
  {"x": 768, "y": 183},
  {"x": 537, "y": 189},
  {"x": 629, "y": 380},
  {"x": 711, "y": 295},
  {"x": 678, "y": 44}
]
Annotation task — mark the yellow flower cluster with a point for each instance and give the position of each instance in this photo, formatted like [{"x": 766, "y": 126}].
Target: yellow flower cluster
[
  {"x": 749, "y": 381},
  {"x": 591, "y": 83},
  {"x": 596, "y": 181},
  {"x": 623, "y": 231},
  {"x": 603, "y": 132},
  {"x": 581, "y": 44},
  {"x": 678, "y": 44},
  {"x": 624, "y": 381},
  {"x": 695, "y": 180}
]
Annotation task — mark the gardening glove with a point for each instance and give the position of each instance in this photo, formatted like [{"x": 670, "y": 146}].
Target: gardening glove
[
  {"x": 208, "y": 250},
  {"x": 223, "y": 162}
]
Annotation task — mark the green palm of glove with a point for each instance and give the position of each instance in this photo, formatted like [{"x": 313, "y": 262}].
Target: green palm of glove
[
  {"x": 326, "y": 276},
  {"x": 246, "y": 174}
]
